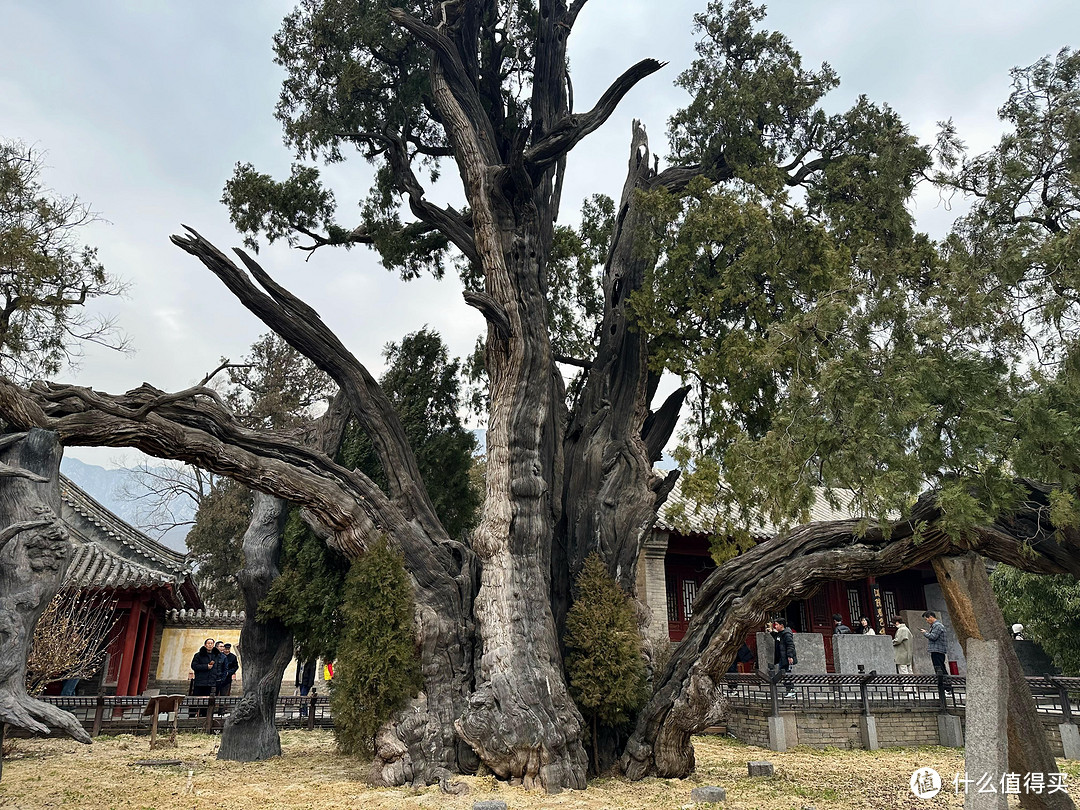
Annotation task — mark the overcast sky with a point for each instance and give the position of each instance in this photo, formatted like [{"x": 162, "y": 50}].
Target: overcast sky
[{"x": 144, "y": 108}]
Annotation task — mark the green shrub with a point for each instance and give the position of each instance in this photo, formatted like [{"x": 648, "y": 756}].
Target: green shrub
[
  {"x": 604, "y": 659},
  {"x": 1048, "y": 605},
  {"x": 377, "y": 668},
  {"x": 307, "y": 597}
]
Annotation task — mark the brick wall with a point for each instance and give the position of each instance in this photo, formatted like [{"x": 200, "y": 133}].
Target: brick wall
[
  {"x": 907, "y": 727},
  {"x": 839, "y": 728},
  {"x": 749, "y": 725}
]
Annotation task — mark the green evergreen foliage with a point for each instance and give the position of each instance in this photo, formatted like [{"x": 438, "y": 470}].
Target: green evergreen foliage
[
  {"x": 308, "y": 595},
  {"x": 828, "y": 343},
  {"x": 377, "y": 668},
  {"x": 1049, "y": 608},
  {"x": 424, "y": 385},
  {"x": 215, "y": 542},
  {"x": 605, "y": 663},
  {"x": 276, "y": 387}
]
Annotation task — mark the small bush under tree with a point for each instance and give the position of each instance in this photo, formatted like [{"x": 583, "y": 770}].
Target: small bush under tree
[
  {"x": 604, "y": 656},
  {"x": 377, "y": 668}
]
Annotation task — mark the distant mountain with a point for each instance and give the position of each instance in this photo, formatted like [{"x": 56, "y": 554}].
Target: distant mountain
[{"x": 107, "y": 488}]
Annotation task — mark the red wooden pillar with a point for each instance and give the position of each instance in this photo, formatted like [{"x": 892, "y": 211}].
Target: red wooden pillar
[
  {"x": 137, "y": 658},
  {"x": 127, "y": 660},
  {"x": 148, "y": 649}
]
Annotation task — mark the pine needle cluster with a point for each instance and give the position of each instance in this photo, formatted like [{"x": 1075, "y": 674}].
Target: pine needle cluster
[{"x": 377, "y": 668}]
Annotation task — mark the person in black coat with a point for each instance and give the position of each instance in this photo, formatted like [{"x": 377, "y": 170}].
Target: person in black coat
[
  {"x": 228, "y": 666},
  {"x": 784, "y": 651},
  {"x": 205, "y": 666}
]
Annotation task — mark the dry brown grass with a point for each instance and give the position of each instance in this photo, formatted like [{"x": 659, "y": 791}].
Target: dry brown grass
[{"x": 313, "y": 776}]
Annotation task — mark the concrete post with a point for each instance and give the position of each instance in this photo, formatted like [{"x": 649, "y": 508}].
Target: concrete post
[
  {"x": 950, "y": 731},
  {"x": 777, "y": 733},
  {"x": 868, "y": 729},
  {"x": 1070, "y": 740},
  {"x": 975, "y": 613},
  {"x": 986, "y": 756}
]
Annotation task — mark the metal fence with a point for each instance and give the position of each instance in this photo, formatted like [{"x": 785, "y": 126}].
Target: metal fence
[
  {"x": 114, "y": 715},
  {"x": 1055, "y": 696},
  {"x": 777, "y": 691}
]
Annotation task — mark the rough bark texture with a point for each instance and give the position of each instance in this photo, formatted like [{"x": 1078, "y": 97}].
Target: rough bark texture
[
  {"x": 974, "y": 612},
  {"x": 558, "y": 488},
  {"x": 611, "y": 493},
  {"x": 420, "y": 747},
  {"x": 736, "y": 597},
  {"x": 194, "y": 426},
  {"x": 266, "y": 646},
  {"x": 34, "y": 555}
]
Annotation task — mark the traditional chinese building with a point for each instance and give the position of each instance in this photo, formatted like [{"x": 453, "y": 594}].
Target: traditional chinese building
[
  {"x": 142, "y": 576},
  {"x": 677, "y": 560}
]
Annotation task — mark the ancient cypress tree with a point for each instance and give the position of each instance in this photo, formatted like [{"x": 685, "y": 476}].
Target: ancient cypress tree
[{"x": 773, "y": 264}]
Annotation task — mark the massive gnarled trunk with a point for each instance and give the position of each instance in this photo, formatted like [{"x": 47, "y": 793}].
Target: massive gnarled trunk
[
  {"x": 34, "y": 555},
  {"x": 610, "y": 492},
  {"x": 266, "y": 645},
  {"x": 559, "y": 486},
  {"x": 520, "y": 718}
]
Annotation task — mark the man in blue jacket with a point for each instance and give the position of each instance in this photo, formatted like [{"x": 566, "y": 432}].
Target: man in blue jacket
[{"x": 935, "y": 641}]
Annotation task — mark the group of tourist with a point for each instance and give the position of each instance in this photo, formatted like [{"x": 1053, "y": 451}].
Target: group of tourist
[
  {"x": 213, "y": 669},
  {"x": 784, "y": 655}
]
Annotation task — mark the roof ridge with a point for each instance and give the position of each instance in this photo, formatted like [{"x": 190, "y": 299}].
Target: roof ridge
[{"x": 111, "y": 523}]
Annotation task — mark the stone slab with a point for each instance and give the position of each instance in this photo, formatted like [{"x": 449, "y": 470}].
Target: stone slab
[
  {"x": 1034, "y": 659},
  {"x": 760, "y": 767},
  {"x": 489, "y": 805},
  {"x": 1070, "y": 740},
  {"x": 809, "y": 648},
  {"x": 987, "y": 748},
  {"x": 921, "y": 663},
  {"x": 935, "y": 601},
  {"x": 871, "y": 652},
  {"x": 708, "y": 793}
]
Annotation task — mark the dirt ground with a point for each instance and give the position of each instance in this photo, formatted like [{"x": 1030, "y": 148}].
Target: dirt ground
[{"x": 311, "y": 775}]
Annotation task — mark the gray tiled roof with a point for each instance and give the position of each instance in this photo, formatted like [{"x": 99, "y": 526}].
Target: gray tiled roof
[
  {"x": 686, "y": 516},
  {"x": 110, "y": 553}
]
